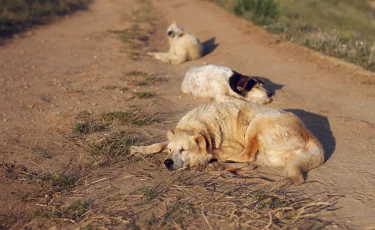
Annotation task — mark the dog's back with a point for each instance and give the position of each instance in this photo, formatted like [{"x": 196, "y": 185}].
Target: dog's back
[
  {"x": 224, "y": 121},
  {"x": 206, "y": 81}
]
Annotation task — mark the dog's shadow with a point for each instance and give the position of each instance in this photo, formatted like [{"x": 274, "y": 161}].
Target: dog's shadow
[
  {"x": 270, "y": 86},
  {"x": 320, "y": 128},
  {"x": 209, "y": 46}
]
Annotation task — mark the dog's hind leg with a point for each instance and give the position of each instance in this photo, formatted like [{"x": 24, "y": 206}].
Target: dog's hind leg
[
  {"x": 251, "y": 148},
  {"x": 150, "y": 149},
  {"x": 178, "y": 57}
]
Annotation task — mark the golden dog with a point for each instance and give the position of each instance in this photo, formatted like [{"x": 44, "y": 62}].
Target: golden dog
[
  {"x": 184, "y": 46},
  {"x": 241, "y": 132}
]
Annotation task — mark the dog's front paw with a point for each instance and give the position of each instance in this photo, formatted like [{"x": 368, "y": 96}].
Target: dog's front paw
[
  {"x": 150, "y": 54},
  {"x": 134, "y": 150},
  {"x": 264, "y": 101}
]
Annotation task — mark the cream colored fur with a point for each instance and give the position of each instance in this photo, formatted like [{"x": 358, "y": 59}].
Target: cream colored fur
[
  {"x": 184, "y": 46},
  {"x": 241, "y": 132}
]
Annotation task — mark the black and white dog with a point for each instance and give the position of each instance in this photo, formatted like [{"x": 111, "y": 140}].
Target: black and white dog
[{"x": 224, "y": 84}]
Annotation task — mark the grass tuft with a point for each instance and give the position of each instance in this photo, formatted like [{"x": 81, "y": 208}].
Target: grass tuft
[
  {"x": 145, "y": 95},
  {"x": 131, "y": 117},
  {"x": 59, "y": 182},
  {"x": 88, "y": 127},
  {"x": 74, "y": 212},
  {"x": 112, "y": 148}
]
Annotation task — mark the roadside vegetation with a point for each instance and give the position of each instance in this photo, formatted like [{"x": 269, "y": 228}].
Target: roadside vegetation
[
  {"x": 19, "y": 15},
  {"x": 343, "y": 29}
]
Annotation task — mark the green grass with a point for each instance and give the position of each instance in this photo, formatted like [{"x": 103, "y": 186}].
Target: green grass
[
  {"x": 18, "y": 15},
  {"x": 343, "y": 29}
]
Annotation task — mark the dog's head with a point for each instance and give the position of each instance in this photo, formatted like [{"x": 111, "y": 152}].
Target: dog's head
[
  {"x": 187, "y": 149},
  {"x": 251, "y": 88},
  {"x": 175, "y": 30}
]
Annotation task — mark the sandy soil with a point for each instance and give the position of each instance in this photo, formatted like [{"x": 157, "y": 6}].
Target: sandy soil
[{"x": 55, "y": 72}]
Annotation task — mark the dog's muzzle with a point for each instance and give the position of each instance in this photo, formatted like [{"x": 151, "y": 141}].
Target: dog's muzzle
[{"x": 168, "y": 163}]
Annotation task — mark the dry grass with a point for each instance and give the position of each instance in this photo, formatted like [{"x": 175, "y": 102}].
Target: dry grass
[
  {"x": 73, "y": 213},
  {"x": 196, "y": 200},
  {"x": 87, "y": 127},
  {"x": 131, "y": 117},
  {"x": 58, "y": 182},
  {"x": 140, "y": 78},
  {"x": 145, "y": 95}
]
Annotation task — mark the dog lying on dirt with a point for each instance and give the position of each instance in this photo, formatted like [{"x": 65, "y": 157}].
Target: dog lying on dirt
[
  {"x": 239, "y": 134},
  {"x": 224, "y": 84},
  {"x": 184, "y": 46}
]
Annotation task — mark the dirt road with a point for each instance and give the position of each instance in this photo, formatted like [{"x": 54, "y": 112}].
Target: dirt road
[{"x": 54, "y": 73}]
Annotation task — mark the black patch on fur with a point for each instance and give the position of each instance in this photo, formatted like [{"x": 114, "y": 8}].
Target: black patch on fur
[
  {"x": 245, "y": 82},
  {"x": 250, "y": 84},
  {"x": 233, "y": 80}
]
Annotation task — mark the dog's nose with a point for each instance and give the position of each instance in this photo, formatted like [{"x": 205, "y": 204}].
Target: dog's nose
[
  {"x": 168, "y": 163},
  {"x": 170, "y": 33}
]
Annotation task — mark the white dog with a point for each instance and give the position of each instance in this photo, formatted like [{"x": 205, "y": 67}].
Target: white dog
[
  {"x": 236, "y": 133},
  {"x": 184, "y": 46},
  {"x": 224, "y": 84}
]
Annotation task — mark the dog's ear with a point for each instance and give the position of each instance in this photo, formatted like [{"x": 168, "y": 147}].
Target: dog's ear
[
  {"x": 170, "y": 134},
  {"x": 242, "y": 83},
  {"x": 238, "y": 82},
  {"x": 201, "y": 142},
  {"x": 250, "y": 84}
]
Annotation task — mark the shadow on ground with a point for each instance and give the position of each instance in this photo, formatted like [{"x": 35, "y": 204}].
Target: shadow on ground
[
  {"x": 270, "y": 86},
  {"x": 320, "y": 128},
  {"x": 209, "y": 46}
]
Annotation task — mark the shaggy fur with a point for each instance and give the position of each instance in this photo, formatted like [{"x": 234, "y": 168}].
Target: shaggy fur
[
  {"x": 240, "y": 132},
  {"x": 224, "y": 84},
  {"x": 184, "y": 46}
]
